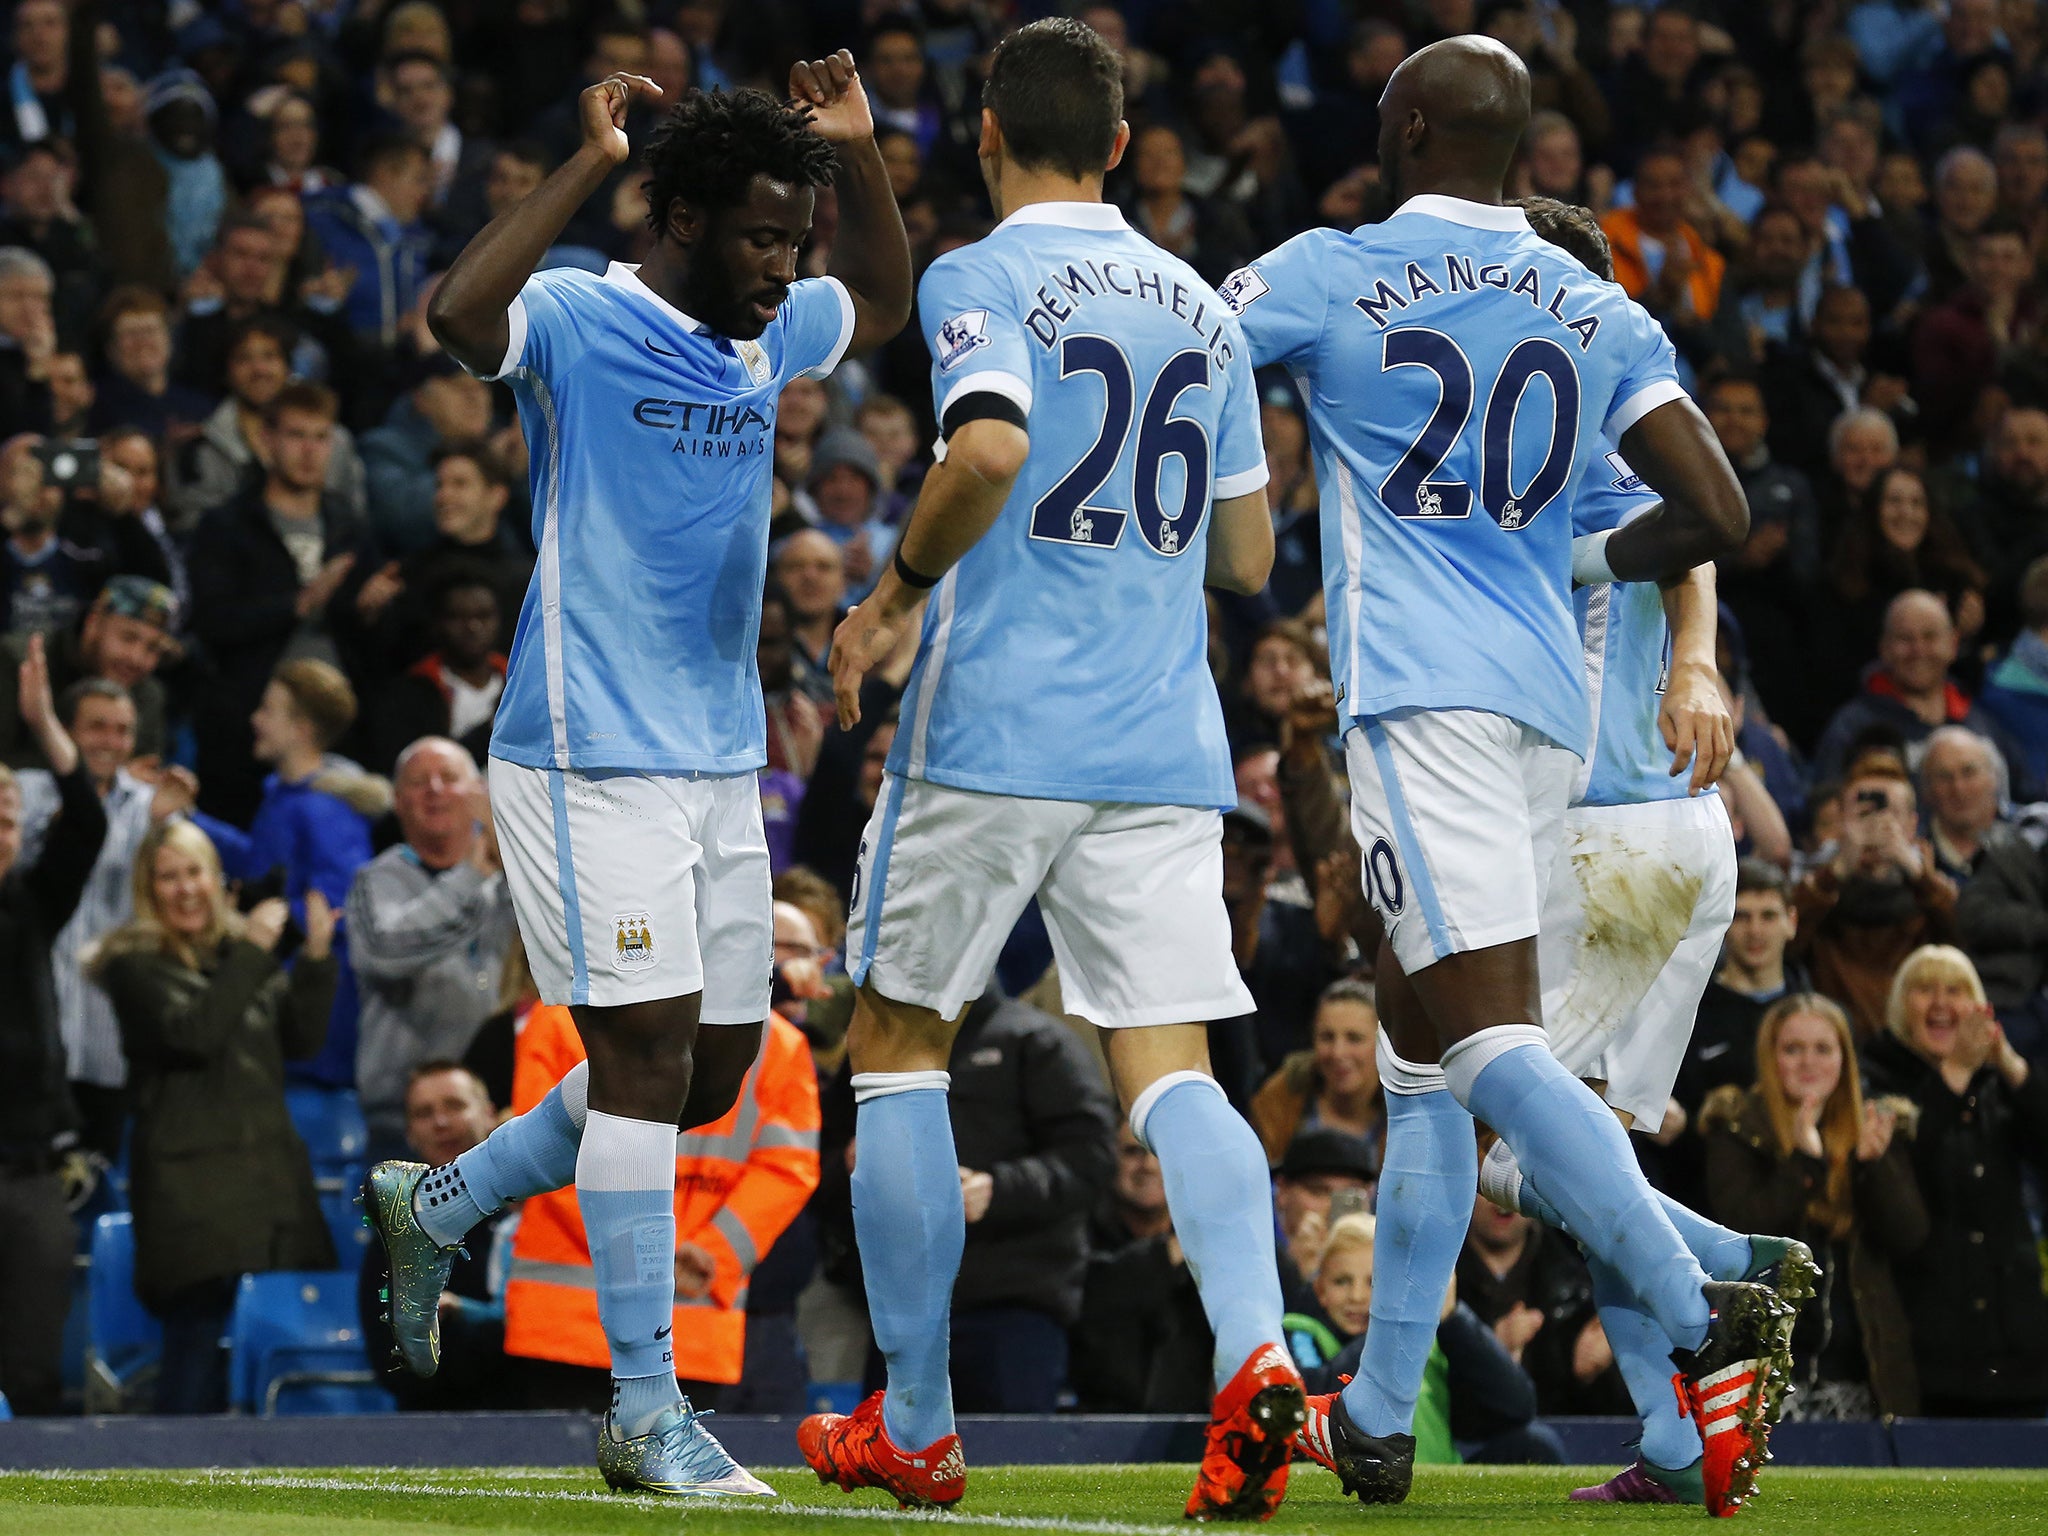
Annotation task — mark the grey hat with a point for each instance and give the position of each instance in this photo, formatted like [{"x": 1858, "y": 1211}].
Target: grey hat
[{"x": 843, "y": 445}]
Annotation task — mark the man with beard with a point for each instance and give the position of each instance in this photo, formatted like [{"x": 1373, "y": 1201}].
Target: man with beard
[
  {"x": 627, "y": 739},
  {"x": 1877, "y": 900}
]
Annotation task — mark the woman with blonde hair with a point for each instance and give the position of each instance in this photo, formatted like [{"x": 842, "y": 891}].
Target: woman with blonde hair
[
  {"x": 1802, "y": 1153},
  {"x": 1973, "y": 1290},
  {"x": 221, "y": 1183}
]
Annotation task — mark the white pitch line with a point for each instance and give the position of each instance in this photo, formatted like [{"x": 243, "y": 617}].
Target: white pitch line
[{"x": 296, "y": 1484}]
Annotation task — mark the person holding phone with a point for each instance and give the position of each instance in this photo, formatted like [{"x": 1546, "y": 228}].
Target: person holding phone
[{"x": 1876, "y": 899}]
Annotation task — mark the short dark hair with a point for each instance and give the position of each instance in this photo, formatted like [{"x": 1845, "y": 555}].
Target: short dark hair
[
  {"x": 479, "y": 453},
  {"x": 459, "y": 576},
  {"x": 307, "y": 399},
  {"x": 435, "y": 1066},
  {"x": 386, "y": 149},
  {"x": 1571, "y": 229},
  {"x": 1734, "y": 376},
  {"x": 73, "y": 698},
  {"x": 712, "y": 145},
  {"x": 2000, "y": 225},
  {"x": 527, "y": 152},
  {"x": 262, "y": 323},
  {"x": 777, "y": 595},
  {"x": 1057, "y": 92},
  {"x": 1755, "y": 874}
]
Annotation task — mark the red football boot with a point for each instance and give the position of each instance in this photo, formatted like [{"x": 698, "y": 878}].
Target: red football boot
[
  {"x": 854, "y": 1450},
  {"x": 1251, "y": 1435},
  {"x": 1726, "y": 1389}
]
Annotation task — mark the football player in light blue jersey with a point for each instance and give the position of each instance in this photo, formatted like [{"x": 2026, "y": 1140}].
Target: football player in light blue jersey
[
  {"x": 1640, "y": 897},
  {"x": 1459, "y": 372},
  {"x": 623, "y": 758},
  {"x": 1060, "y": 738}
]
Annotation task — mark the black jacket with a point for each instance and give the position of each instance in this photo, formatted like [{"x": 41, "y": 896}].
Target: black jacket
[
  {"x": 2002, "y": 916},
  {"x": 1973, "y": 1290},
  {"x": 1552, "y": 1278},
  {"x": 1030, "y": 1110},
  {"x": 37, "y": 1117},
  {"x": 245, "y": 592},
  {"x": 1142, "y": 1344},
  {"x": 222, "y": 1184}
]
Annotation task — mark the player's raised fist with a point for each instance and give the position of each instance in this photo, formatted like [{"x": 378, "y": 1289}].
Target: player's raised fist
[
  {"x": 831, "y": 88},
  {"x": 604, "y": 112}
]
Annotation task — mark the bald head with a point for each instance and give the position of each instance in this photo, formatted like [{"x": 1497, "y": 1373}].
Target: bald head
[{"x": 1450, "y": 119}]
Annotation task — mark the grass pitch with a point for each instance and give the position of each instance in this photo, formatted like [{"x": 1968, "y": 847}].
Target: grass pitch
[{"x": 1077, "y": 1501}]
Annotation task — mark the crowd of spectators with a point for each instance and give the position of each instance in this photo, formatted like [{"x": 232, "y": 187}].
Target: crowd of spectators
[{"x": 265, "y": 547}]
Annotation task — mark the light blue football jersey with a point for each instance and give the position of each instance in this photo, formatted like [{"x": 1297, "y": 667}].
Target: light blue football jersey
[
  {"x": 1067, "y": 656},
  {"x": 652, "y": 442},
  {"x": 1458, "y": 372},
  {"x": 1627, "y": 648}
]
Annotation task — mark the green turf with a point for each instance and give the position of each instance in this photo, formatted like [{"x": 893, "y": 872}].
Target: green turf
[{"x": 1089, "y": 1501}]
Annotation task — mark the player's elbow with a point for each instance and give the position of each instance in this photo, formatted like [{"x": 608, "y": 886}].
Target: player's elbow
[
  {"x": 991, "y": 449},
  {"x": 1727, "y": 514}
]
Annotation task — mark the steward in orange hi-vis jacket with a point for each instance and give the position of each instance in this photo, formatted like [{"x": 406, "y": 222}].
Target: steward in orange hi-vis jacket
[{"x": 739, "y": 1182}]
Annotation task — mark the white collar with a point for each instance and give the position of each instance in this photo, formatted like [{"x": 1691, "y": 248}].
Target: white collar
[
  {"x": 1456, "y": 210},
  {"x": 1069, "y": 215},
  {"x": 619, "y": 274},
  {"x": 372, "y": 204}
]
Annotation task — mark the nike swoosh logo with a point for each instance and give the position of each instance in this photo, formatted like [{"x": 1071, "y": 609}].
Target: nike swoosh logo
[
  {"x": 662, "y": 1333},
  {"x": 662, "y": 351}
]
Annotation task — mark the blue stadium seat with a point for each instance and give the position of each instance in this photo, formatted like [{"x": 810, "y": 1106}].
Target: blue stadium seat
[
  {"x": 123, "y": 1340},
  {"x": 296, "y": 1347},
  {"x": 345, "y": 1219},
  {"x": 330, "y": 1122}
]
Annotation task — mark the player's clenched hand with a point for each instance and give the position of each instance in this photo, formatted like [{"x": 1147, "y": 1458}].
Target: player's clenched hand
[
  {"x": 831, "y": 88},
  {"x": 863, "y": 640},
  {"x": 604, "y": 112},
  {"x": 1697, "y": 724}
]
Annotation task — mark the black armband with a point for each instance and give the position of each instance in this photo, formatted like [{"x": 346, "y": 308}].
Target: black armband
[
  {"x": 980, "y": 405},
  {"x": 914, "y": 579}
]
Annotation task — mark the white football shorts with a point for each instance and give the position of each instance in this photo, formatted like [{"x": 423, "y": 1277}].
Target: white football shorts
[
  {"x": 1132, "y": 897},
  {"x": 631, "y": 887},
  {"x": 1457, "y": 812},
  {"x": 1632, "y": 929}
]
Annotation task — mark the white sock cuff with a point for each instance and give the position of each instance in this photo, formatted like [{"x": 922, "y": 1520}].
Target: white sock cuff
[
  {"x": 1143, "y": 1105},
  {"x": 1407, "y": 1078},
  {"x": 575, "y": 1086},
  {"x": 1500, "y": 1177},
  {"x": 618, "y": 1154},
  {"x": 882, "y": 1085},
  {"x": 1471, "y": 1056}
]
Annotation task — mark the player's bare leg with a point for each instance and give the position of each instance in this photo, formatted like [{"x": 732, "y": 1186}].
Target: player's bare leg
[
  {"x": 1218, "y": 1192},
  {"x": 911, "y": 1226}
]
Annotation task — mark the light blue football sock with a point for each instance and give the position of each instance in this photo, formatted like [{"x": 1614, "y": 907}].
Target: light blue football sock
[
  {"x": 1221, "y": 1198},
  {"x": 1425, "y": 1210},
  {"x": 1722, "y": 1254},
  {"x": 529, "y": 1154},
  {"x": 626, "y": 1187},
  {"x": 910, "y": 1225},
  {"x": 1643, "y": 1353},
  {"x": 1571, "y": 1144}
]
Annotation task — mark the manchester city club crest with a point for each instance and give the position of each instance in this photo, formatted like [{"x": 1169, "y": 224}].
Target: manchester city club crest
[
  {"x": 632, "y": 942},
  {"x": 755, "y": 356}
]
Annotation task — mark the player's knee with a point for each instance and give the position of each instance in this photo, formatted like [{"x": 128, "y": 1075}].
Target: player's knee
[
  {"x": 640, "y": 1059},
  {"x": 888, "y": 1036},
  {"x": 718, "y": 1070}
]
